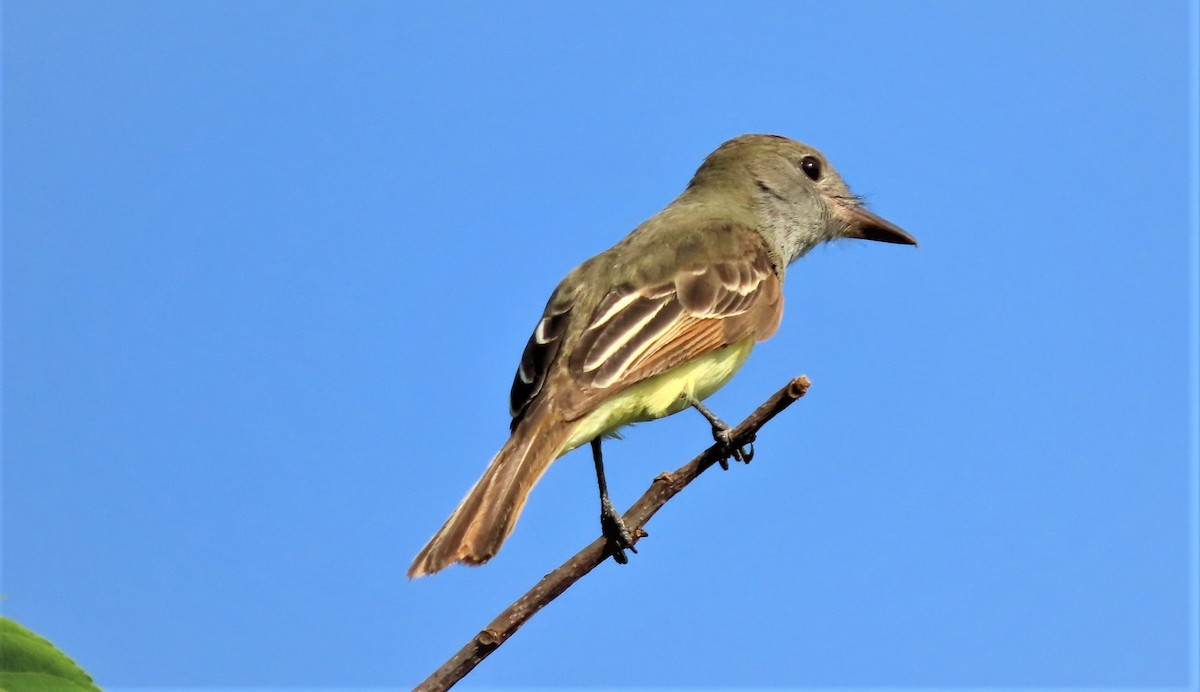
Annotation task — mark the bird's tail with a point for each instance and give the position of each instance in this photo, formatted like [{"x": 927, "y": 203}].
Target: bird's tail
[{"x": 487, "y": 515}]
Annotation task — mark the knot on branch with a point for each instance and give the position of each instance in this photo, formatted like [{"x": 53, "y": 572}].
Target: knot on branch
[{"x": 488, "y": 638}]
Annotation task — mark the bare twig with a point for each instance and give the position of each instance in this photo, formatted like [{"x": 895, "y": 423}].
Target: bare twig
[{"x": 664, "y": 487}]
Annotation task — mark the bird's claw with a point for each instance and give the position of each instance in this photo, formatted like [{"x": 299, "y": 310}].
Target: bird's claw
[
  {"x": 723, "y": 435},
  {"x": 618, "y": 535}
]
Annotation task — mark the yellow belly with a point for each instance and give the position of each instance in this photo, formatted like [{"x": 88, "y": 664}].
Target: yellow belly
[{"x": 662, "y": 394}]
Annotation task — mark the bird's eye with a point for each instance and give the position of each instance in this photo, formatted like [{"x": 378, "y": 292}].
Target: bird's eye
[{"x": 811, "y": 166}]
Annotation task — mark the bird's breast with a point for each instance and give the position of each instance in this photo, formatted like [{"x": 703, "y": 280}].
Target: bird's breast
[{"x": 663, "y": 394}]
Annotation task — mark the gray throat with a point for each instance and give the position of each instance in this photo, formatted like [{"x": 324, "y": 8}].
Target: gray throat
[{"x": 792, "y": 228}]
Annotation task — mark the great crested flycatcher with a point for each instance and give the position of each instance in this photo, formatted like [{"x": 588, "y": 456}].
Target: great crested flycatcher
[{"x": 657, "y": 323}]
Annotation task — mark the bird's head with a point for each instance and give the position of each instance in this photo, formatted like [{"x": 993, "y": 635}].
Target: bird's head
[{"x": 798, "y": 198}]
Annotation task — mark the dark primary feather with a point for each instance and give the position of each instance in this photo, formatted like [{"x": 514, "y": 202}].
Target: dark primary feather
[{"x": 539, "y": 353}]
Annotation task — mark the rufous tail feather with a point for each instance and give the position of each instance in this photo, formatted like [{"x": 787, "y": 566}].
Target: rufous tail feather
[{"x": 487, "y": 515}]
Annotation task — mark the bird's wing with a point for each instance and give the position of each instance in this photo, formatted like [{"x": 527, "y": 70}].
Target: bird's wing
[{"x": 718, "y": 295}]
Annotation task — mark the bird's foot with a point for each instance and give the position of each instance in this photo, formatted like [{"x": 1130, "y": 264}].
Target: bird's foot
[
  {"x": 723, "y": 434},
  {"x": 618, "y": 535}
]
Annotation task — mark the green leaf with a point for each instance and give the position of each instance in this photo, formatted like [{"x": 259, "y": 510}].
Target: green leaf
[{"x": 29, "y": 663}]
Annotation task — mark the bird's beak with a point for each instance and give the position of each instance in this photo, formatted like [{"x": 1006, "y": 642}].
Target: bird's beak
[{"x": 868, "y": 226}]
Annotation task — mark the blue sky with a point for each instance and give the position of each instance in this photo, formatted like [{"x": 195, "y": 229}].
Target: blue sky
[{"x": 268, "y": 268}]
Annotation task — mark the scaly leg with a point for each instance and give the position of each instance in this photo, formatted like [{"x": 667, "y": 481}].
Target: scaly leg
[{"x": 619, "y": 538}]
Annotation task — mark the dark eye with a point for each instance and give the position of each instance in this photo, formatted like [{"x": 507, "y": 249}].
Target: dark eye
[{"x": 811, "y": 166}]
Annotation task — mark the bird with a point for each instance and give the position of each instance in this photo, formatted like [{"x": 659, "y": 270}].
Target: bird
[{"x": 655, "y": 324}]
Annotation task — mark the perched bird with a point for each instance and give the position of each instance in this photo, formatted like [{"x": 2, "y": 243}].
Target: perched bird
[{"x": 657, "y": 323}]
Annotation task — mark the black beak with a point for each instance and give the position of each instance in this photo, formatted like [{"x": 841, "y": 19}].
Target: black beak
[{"x": 868, "y": 226}]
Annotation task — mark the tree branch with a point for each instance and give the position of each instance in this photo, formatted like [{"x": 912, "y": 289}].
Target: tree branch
[{"x": 665, "y": 486}]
